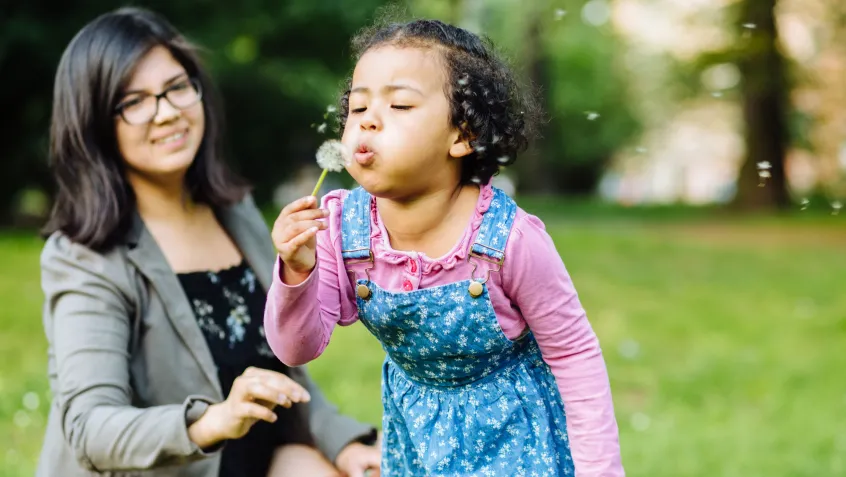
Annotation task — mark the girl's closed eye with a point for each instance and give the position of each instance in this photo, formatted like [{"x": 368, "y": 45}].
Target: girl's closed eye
[
  {"x": 357, "y": 110},
  {"x": 401, "y": 107}
]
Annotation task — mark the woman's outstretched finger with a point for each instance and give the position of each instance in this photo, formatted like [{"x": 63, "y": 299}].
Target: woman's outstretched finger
[
  {"x": 251, "y": 410},
  {"x": 261, "y": 391}
]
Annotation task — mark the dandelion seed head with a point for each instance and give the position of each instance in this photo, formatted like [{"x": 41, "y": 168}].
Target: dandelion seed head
[{"x": 332, "y": 155}]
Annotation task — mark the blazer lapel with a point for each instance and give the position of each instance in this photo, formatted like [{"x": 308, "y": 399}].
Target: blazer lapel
[{"x": 149, "y": 259}]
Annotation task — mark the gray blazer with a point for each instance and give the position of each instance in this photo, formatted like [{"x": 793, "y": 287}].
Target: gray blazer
[{"x": 128, "y": 365}]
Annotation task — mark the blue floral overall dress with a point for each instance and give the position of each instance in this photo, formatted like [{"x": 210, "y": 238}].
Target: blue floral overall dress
[{"x": 459, "y": 398}]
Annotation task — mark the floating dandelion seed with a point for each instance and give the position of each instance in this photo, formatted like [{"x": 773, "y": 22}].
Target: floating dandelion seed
[
  {"x": 22, "y": 419},
  {"x": 764, "y": 172},
  {"x": 640, "y": 421},
  {"x": 804, "y": 308},
  {"x": 322, "y": 128},
  {"x": 476, "y": 180},
  {"x": 559, "y": 13},
  {"x": 640, "y": 150},
  {"x": 717, "y": 94},
  {"x": 591, "y": 115},
  {"x": 464, "y": 80},
  {"x": 503, "y": 159},
  {"x": 332, "y": 155},
  {"x": 749, "y": 26},
  {"x": 629, "y": 349},
  {"x": 481, "y": 149},
  {"x": 31, "y": 401},
  {"x": 495, "y": 139},
  {"x": 804, "y": 204},
  {"x": 835, "y": 207},
  {"x": 329, "y": 110}
]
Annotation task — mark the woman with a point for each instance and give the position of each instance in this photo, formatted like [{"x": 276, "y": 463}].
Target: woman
[{"x": 155, "y": 271}]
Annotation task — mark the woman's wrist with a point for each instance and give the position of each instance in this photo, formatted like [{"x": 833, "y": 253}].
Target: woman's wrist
[{"x": 201, "y": 431}]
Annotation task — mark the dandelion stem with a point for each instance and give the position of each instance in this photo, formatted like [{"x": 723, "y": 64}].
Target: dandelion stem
[{"x": 320, "y": 182}]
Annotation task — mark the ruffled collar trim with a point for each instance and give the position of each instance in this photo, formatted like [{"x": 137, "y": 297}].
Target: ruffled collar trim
[{"x": 381, "y": 243}]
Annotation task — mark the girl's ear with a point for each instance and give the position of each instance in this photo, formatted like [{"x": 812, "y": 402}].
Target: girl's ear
[{"x": 460, "y": 144}]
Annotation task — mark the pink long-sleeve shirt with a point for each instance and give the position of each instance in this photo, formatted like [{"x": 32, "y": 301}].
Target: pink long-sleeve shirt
[{"x": 533, "y": 290}]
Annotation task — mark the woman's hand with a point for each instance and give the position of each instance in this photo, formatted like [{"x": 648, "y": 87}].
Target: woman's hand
[
  {"x": 253, "y": 397},
  {"x": 360, "y": 460},
  {"x": 294, "y": 235}
]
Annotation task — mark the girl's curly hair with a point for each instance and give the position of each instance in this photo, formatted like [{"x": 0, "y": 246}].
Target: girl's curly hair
[{"x": 487, "y": 104}]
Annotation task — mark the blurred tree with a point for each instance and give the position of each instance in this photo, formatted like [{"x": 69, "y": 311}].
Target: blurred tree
[
  {"x": 530, "y": 172},
  {"x": 278, "y": 65},
  {"x": 568, "y": 51},
  {"x": 588, "y": 99},
  {"x": 764, "y": 91},
  {"x": 32, "y": 37}
]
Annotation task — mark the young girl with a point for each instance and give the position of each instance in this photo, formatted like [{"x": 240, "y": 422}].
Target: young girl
[{"x": 487, "y": 344}]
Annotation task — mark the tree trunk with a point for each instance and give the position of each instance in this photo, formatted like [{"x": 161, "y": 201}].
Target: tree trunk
[
  {"x": 531, "y": 176},
  {"x": 764, "y": 91}
]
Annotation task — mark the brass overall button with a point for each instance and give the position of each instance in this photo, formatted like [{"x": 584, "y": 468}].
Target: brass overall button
[
  {"x": 476, "y": 289},
  {"x": 363, "y": 292}
]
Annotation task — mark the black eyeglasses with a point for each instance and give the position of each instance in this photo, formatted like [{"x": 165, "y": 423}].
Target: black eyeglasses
[{"x": 142, "y": 108}]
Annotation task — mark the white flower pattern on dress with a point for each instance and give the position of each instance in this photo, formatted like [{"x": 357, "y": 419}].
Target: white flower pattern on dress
[
  {"x": 459, "y": 397},
  {"x": 203, "y": 311},
  {"x": 239, "y": 317},
  {"x": 234, "y": 327}
]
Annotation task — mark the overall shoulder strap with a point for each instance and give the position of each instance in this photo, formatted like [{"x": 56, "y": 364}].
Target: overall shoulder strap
[
  {"x": 496, "y": 227},
  {"x": 355, "y": 228}
]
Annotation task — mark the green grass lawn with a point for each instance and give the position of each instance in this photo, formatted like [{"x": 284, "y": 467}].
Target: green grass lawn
[{"x": 725, "y": 340}]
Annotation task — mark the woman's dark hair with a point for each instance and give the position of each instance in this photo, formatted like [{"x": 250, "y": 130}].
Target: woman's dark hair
[
  {"x": 94, "y": 203},
  {"x": 487, "y": 103}
]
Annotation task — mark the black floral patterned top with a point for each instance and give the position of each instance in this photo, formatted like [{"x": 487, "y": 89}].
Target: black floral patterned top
[{"x": 229, "y": 307}]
